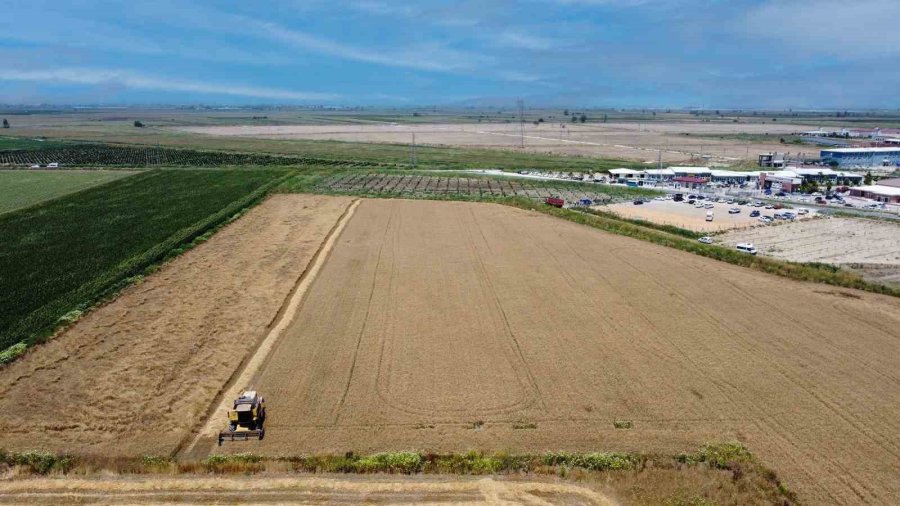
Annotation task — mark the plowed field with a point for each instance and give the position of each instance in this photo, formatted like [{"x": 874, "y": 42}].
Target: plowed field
[
  {"x": 134, "y": 377},
  {"x": 448, "y": 326}
]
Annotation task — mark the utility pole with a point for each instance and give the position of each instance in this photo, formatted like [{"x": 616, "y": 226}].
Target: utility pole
[
  {"x": 412, "y": 151},
  {"x": 521, "y": 105}
]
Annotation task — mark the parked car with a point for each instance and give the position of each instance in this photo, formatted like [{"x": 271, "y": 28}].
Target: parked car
[
  {"x": 766, "y": 219},
  {"x": 706, "y": 239},
  {"x": 734, "y": 210},
  {"x": 746, "y": 247},
  {"x": 691, "y": 201},
  {"x": 638, "y": 202},
  {"x": 802, "y": 211},
  {"x": 770, "y": 206},
  {"x": 709, "y": 215},
  {"x": 754, "y": 213}
]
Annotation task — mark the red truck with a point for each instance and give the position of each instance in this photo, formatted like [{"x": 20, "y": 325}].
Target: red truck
[{"x": 554, "y": 201}]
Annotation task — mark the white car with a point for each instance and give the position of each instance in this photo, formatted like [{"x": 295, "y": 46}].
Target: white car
[
  {"x": 709, "y": 206},
  {"x": 706, "y": 239},
  {"x": 699, "y": 205},
  {"x": 802, "y": 211},
  {"x": 766, "y": 219},
  {"x": 746, "y": 247},
  {"x": 734, "y": 210}
]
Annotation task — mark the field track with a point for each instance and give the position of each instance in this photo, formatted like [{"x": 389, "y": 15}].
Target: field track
[
  {"x": 294, "y": 490},
  {"x": 447, "y": 326},
  {"x": 134, "y": 376}
]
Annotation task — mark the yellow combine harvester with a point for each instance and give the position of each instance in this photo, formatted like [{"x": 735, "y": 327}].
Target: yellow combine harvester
[{"x": 246, "y": 419}]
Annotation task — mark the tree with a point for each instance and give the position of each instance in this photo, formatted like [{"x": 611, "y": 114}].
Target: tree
[
  {"x": 566, "y": 112},
  {"x": 828, "y": 187},
  {"x": 605, "y": 117},
  {"x": 868, "y": 179},
  {"x": 138, "y": 124},
  {"x": 583, "y": 118},
  {"x": 5, "y": 123},
  {"x": 574, "y": 118}
]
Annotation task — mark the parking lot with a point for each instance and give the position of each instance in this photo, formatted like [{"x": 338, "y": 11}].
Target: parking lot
[{"x": 691, "y": 217}]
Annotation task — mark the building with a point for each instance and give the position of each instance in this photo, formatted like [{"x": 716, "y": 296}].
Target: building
[
  {"x": 790, "y": 179},
  {"x": 773, "y": 160},
  {"x": 730, "y": 177},
  {"x": 861, "y": 157},
  {"x": 893, "y": 182},
  {"x": 877, "y": 192},
  {"x": 623, "y": 175}
]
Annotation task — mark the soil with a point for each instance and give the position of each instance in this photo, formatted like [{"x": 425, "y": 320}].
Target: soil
[
  {"x": 448, "y": 326},
  {"x": 134, "y": 376}
]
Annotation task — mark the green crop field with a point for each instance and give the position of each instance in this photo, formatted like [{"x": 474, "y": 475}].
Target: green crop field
[
  {"x": 23, "y": 188},
  {"x": 63, "y": 255}
]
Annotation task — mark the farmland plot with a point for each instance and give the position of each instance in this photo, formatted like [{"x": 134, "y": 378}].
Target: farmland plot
[
  {"x": 21, "y": 188},
  {"x": 447, "y": 326},
  {"x": 132, "y": 377}
]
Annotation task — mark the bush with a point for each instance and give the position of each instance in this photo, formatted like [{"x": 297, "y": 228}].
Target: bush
[
  {"x": 395, "y": 462},
  {"x": 39, "y": 462},
  {"x": 719, "y": 456},
  {"x": 591, "y": 461}
]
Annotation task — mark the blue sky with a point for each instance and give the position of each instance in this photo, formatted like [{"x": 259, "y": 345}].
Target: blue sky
[{"x": 598, "y": 53}]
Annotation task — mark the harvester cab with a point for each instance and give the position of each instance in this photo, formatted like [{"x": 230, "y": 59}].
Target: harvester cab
[{"x": 246, "y": 418}]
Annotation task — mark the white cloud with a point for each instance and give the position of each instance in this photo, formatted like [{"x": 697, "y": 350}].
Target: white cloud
[
  {"x": 514, "y": 39},
  {"x": 129, "y": 79}
]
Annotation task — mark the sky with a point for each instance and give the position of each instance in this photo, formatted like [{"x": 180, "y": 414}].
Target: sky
[{"x": 779, "y": 54}]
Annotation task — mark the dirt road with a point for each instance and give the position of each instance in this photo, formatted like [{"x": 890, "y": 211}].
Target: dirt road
[
  {"x": 134, "y": 376},
  {"x": 297, "y": 490},
  {"x": 446, "y": 326}
]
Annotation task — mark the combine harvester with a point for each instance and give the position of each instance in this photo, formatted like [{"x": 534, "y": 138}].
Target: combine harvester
[{"x": 246, "y": 418}]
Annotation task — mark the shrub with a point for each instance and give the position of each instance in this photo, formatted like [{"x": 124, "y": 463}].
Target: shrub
[
  {"x": 40, "y": 462},
  {"x": 394, "y": 462},
  {"x": 600, "y": 461},
  {"x": 719, "y": 456}
]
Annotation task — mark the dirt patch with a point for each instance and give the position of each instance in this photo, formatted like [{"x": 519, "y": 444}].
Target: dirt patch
[
  {"x": 135, "y": 376},
  {"x": 870, "y": 247},
  {"x": 444, "y": 326}
]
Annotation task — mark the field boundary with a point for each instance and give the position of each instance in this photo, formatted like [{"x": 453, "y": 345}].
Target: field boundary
[{"x": 245, "y": 373}]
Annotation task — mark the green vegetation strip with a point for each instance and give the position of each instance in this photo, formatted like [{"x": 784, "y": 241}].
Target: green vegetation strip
[
  {"x": 61, "y": 257},
  {"x": 23, "y": 188},
  {"x": 813, "y": 272}
]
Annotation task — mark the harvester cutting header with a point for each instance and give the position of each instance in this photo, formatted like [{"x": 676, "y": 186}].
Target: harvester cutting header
[{"x": 246, "y": 418}]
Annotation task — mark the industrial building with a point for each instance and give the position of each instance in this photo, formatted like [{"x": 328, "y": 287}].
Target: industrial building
[
  {"x": 862, "y": 157},
  {"x": 878, "y": 193}
]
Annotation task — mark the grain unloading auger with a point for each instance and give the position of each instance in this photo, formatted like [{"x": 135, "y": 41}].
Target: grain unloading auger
[{"x": 246, "y": 418}]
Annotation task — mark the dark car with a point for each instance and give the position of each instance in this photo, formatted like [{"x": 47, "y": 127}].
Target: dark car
[
  {"x": 638, "y": 202},
  {"x": 754, "y": 213},
  {"x": 691, "y": 201}
]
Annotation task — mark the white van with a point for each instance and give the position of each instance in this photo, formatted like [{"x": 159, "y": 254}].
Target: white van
[
  {"x": 54, "y": 165},
  {"x": 747, "y": 247},
  {"x": 709, "y": 215}
]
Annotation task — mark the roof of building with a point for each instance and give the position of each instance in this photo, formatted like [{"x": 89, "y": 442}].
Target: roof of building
[
  {"x": 624, "y": 171},
  {"x": 691, "y": 170},
  {"x": 893, "y": 182},
  {"x": 659, "y": 172},
  {"x": 729, "y": 173},
  {"x": 880, "y": 190},
  {"x": 862, "y": 150}
]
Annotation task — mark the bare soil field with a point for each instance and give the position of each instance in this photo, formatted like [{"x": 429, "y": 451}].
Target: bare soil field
[
  {"x": 681, "y": 214},
  {"x": 134, "y": 376},
  {"x": 871, "y": 247},
  {"x": 678, "y": 141},
  {"x": 448, "y": 326},
  {"x": 287, "y": 489}
]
